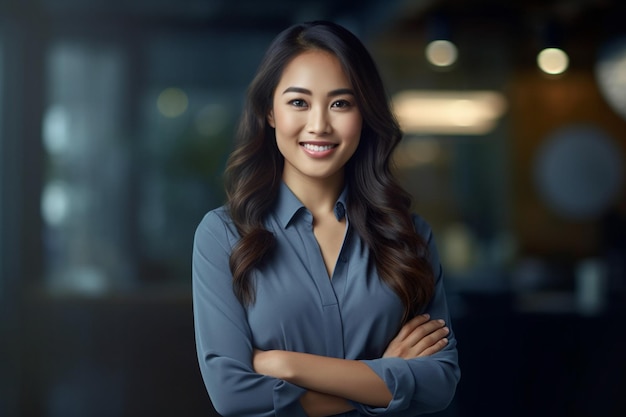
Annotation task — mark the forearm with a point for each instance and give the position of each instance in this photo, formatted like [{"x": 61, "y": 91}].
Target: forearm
[
  {"x": 349, "y": 379},
  {"x": 317, "y": 404}
]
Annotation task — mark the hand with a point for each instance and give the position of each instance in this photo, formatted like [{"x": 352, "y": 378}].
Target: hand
[{"x": 420, "y": 336}]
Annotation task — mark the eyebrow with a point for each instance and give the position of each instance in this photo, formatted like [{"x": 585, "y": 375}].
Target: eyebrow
[{"x": 332, "y": 93}]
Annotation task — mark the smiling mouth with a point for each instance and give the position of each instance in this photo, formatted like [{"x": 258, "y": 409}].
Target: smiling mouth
[{"x": 318, "y": 148}]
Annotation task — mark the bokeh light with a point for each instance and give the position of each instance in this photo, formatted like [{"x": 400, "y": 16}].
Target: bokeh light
[
  {"x": 441, "y": 53},
  {"x": 55, "y": 203},
  {"x": 553, "y": 61},
  {"x": 172, "y": 102}
]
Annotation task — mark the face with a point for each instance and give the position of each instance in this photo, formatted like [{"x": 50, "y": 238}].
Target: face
[{"x": 316, "y": 118}]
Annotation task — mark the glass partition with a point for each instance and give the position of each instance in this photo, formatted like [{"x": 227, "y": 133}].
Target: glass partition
[
  {"x": 2, "y": 156},
  {"x": 86, "y": 179}
]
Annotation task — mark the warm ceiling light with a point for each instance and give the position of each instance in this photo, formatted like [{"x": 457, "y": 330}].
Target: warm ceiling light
[
  {"x": 448, "y": 112},
  {"x": 553, "y": 61},
  {"x": 441, "y": 53}
]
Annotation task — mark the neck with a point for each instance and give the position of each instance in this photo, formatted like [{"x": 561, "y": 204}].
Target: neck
[{"x": 317, "y": 195}]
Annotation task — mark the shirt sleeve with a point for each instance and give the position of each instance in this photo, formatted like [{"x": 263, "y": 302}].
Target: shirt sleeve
[
  {"x": 424, "y": 384},
  {"x": 223, "y": 337}
]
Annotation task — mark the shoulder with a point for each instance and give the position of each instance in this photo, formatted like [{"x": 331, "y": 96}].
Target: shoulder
[
  {"x": 217, "y": 227},
  {"x": 422, "y": 228}
]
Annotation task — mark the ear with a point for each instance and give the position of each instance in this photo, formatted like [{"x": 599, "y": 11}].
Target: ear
[{"x": 270, "y": 119}]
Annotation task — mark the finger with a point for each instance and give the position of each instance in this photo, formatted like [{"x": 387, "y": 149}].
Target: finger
[
  {"x": 410, "y": 326},
  {"x": 424, "y": 330},
  {"x": 430, "y": 340},
  {"x": 442, "y": 343}
]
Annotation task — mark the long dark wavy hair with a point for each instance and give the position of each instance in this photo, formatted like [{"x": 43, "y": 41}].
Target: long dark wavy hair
[{"x": 378, "y": 208}]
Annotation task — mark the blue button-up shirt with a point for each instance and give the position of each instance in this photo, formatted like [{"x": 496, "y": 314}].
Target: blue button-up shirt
[{"x": 352, "y": 315}]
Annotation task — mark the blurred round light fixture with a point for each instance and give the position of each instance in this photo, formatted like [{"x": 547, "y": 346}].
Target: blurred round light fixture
[
  {"x": 441, "y": 53},
  {"x": 553, "y": 61},
  {"x": 579, "y": 171},
  {"x": 172, "y": 102},
  {"x": 610, "y": 72},
  {"x": 211, "y": 119}
]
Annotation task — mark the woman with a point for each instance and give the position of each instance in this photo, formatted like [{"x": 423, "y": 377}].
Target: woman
[{"x": 316, "y": 291}]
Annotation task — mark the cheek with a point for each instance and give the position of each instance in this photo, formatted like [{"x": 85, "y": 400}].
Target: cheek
[
  {"x": 352, "y": 129},
  {"x": 287, "y": 124}
]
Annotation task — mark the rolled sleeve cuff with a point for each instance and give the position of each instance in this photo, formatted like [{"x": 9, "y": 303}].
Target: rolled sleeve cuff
[
  {"x": 397, "y": 375},
  {"x": 287, "y": 400}
]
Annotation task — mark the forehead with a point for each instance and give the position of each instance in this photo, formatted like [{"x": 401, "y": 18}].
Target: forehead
[{"x": 314, "y": 68}]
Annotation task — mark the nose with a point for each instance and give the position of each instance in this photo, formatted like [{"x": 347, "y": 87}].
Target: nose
[{"x": 318, "y": 122}]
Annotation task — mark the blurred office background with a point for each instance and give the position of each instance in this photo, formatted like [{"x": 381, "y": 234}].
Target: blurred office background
[{"x": 115, "y": 121}]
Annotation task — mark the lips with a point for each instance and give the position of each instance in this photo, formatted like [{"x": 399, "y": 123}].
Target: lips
[{"x": 318, "y": 149}]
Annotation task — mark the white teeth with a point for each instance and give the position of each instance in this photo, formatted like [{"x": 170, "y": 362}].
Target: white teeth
[{"x": 317, "y": 148}]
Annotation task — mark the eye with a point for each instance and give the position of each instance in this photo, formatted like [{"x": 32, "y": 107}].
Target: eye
[
  {"x": 297, "y": 102},
  {"x": 341, "y": 104}
]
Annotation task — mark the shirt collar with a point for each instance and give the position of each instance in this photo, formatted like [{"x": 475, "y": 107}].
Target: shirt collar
[{"x": 288, "y": 205}]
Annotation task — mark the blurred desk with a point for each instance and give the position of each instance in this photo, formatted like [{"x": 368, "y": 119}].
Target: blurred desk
[
  {"x": 524, "y": 363},
  {"x": 111, "y": 356}
]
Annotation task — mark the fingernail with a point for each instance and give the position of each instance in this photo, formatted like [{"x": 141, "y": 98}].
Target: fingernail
[
  {"x": 426, "y": 316},
  {"x": 441, "y": 322},
  {"x": 446, "y": 329}
]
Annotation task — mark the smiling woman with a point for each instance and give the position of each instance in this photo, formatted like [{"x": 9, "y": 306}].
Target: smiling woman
[
  {"x": 316, "y": 291},
  {"x": 316, "y": 119}
]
